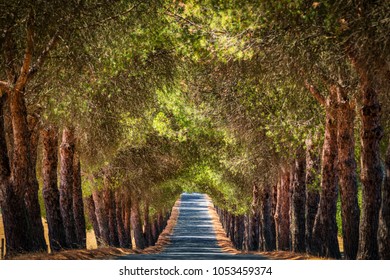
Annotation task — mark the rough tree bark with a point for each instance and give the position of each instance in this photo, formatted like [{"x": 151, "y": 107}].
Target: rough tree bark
[
  {"x": 298, "y": 203},
  {"x": 122, "y": 236},
  {"x": 312, "y": 191},
  {"x": 274, "y": 193},
  {"x": 50, "y": 191},
  {"x": 253, "y": 238},
  {"x": 282, "y": 218},
  {"x": 12, "y": 201},
  {"x": 160, "y": 221},
  {"x": 384, "y": 221},
  {"x": 324, "y": 236},
  {"x": 350, "y": 212},
  {"x": 21, "y": 237},
  {"x": 127, "y": 218},
  {"x": 92, "y": 218},
  {"x": 268, "y": 242},
  {"x": 136, "y": 224},
  {"x": 78, "y": 205},
  {"x": 371, "y": 174},
  {"x": 17, "y": 222},
  {"x": 66, "y": 186},
  {"x": 31, "y": 196},
  {"x": 238, "y": 231},
  {"x": 231, "y": 226},
  {"x": 155, "y": 232},
  {"x": 101, "y": 217},
  {"x": 110, "y": 210},
  {"x": 245, "y": 242},
  {"x": 147, "y": 226},
  {"x": 5, "y": 171},
  {"x": 223, "y": 218},
  {"x": 227, "y": 223}
]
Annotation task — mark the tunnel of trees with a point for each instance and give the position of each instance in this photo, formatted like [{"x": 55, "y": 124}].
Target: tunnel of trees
[{"x": 278, "y": 110}]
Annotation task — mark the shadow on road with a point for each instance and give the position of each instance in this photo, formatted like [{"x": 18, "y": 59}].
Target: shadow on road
[{"x": 193, "y": 237}]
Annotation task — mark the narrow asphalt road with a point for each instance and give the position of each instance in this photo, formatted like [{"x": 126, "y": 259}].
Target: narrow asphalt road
[{"x": 193, "y": 237}]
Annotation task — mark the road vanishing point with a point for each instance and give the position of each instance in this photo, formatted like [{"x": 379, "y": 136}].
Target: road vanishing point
[{"x": 193, "y": 237}]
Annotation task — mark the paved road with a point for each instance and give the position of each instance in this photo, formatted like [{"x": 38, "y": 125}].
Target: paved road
[{"x": 193, "y": 237}]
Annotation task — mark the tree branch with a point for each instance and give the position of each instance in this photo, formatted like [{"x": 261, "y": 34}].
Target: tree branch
[
  {"x": 175, "y": 15},
  {"x": 316, "y": 94},
  {"x": 121, "y": 14},
  {"x": 9, "y": 56},
  {"x": 199, "y": 27},
  {"x": 42, "y": 57},
  {"x": 22, "y": 79},
  {"x": 116, "y": 16},
  {"x": 54, "y": 40}
]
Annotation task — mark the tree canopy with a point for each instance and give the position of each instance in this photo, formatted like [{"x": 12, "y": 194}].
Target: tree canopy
[{"x": 207, "y": 96}]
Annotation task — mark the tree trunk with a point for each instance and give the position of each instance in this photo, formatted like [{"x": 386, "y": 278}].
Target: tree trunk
[
  {"x": 245, "y": 242},
  {"x": 21, "y": 237},
  {"x": 227, "y": 222},
  {"x": 5, "y": 171},
  {"x": 282, "y": 218},
  {"x": 155, "y": 232},
  {"x": 232, "y": 221},
  {"x": 350, "y": 212},
  {"x": 122, "y": 236},
  {"x": 371, "y": 174},
  {"x": 266, "y": 212},
  {"x": 136, "y": 224},
  {"x": 297, "y": 225},
  {"x": 78, "y": 205},
  {"x": 325, "y": 242},
  {"x": 274, "y": 193},
  {"x": 167, "y": 216},
  {"x": 127, "y": 219},
  {"x": 384, "y": 221},
  {"x": 110, "y": 210},
  {"x": 31, "y": 196},
  {"x": 253, "y": 242},
  {"x": 12, "y": 204},
  {"x": 241, "y": 231},
  {"x": 238, "y": 231},
  {"x": 101, "y": 217},
  {"x": 17, "y": 223},
  {"x": 223, "y": 218},
  {"x": 312, "y": 191},
  {"x": 92, "y": 218},
  {"x": 147, "y": 226},
  {"x": 160, "y": 220},
  {"x": 50, "y": 191},
  {"x": 66, "y": 186}
]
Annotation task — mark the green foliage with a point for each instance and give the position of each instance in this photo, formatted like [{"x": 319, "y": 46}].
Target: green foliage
[{"x": 205, "y": 96}]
